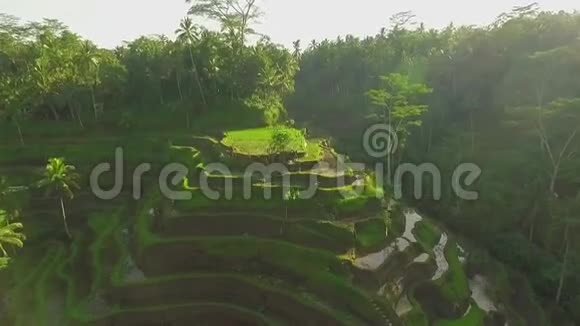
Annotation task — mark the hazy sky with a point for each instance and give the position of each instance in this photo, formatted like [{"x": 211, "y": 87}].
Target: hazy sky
[{"x": 109, "y": 22}]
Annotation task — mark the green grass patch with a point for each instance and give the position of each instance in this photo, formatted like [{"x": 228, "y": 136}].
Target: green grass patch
[
  {"x": 145, "y": 237},
  {"x": 454, "y": 284},
  {"x": 237, "y": 285},
  {"x": 89, "y": 151},
  {"x": 32, "y": 277},
  {"x": 396, "y": 222},
  {"x": 371, "y": 234},
  {"x": 320, "y": 234},
  {"x": 4, "y": 261},
  {"x": 193, "y": 309},
  {"x": 185, "y": 155},
  {"x": 64, "y": 273},
  {"x": 103, "y": 225},
  {"x": 46, "y": 287},
  {"x": 256, "y": 141},
  {"x": 352, "y": 205},
  {"x": 416, "y": 317},
  {"x": 475, "y": 317},
  {"x": 427, "y": 235},
  {"x": 310, "y": 233},
  {"x": 314, "y": 151},
  {"x": 319, "y": 271}
]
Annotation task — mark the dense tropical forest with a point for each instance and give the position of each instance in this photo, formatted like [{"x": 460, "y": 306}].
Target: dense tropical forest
[{"x": 505, "y": 97}]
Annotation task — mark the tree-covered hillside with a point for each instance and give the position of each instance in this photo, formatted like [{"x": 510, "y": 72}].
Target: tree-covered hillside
[{"x": 505, "y": 96}]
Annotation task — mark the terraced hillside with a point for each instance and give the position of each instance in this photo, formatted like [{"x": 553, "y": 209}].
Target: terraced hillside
[{"x": 342, "y": 257}]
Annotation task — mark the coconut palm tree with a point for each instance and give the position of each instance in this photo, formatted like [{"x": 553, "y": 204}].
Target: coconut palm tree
[
  {"x": 292, "y": 194},
  {"x": 9, "y": 234},
  {"x": 60, "y": 179},
  {"x": 88, "y": 60},
  {"x": 186, "y": 34}
]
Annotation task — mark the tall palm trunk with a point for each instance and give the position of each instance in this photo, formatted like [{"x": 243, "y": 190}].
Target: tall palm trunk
[
  {"x": 196, "y": 76},
  {"x": 54, "y": 112},
  {"x": 75, "y": 113},
  {"x": 564, "y": 266},
  {"x": 19, "y": 131},
  {"x": 64, "y": 218},
  {"x": 532, "y": 220},
  {"x": 94, "y": 100},
  {"x": 71, "y": 110},
  {"x": 161, "y": 97},
  {"x": 178, "y": 80},
  {"x": 180, "y": 91},
  {"x": 78, "y": 111}
]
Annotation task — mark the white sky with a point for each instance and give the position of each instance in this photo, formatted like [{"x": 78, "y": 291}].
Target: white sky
[{"x": 109, "y": 22}]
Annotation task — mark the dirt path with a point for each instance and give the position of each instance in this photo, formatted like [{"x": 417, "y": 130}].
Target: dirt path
[
  {"x": 478, "y": 286},
  {"x": 374, "y": 261},
  {"x": 440, "y": 259}
]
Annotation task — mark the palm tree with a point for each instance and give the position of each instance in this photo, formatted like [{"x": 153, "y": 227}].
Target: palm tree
[
  {"x": 297, "y": 50},
  {"x": 88, "y": 59},
  {"x": 186, "y": 34},
  {"x": 291, "y": 195},
  {"x": 175, "y": 52},
  {"x": 61, "y": 179},
  {"x": 9, "y": 234}
]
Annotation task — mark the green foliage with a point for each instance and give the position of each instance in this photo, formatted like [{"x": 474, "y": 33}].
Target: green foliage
[
  {"x": 235, "y": 16},
  {"x": 352, "y": 205},
  {"x": 10, "y": 234},
  {"x": 257, "y": 141},
  {"x": 60, "y": 178},
  {"x": 397, "y": 103},
  {"x": 427, "y": 235},
  {"x": 371, "y": 189},
  {"x": 49, "y": 73},
  {"x": 502, "y": 96},
  {"x": 4, "y": 261},
  {"x": 454, "y": 285},
  {"x": 416, "y": 317},
  {"x": 475, "y": 317},
  {"x": 314, "y": 151},
  {"x": 280, "y": 140},
  {"x": 371, "y": 234}
]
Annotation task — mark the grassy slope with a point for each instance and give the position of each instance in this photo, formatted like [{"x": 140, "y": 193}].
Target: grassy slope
[
  {"x": 427, "y": 235},
  {"x": 320, "y": 271},
  {"x": 256, "y": 141},
  {"x": 103, "y": 227},
  {"x": 473, "y": 318},
  {"x": 371, "y": 234},
  {"x": 454, "y": 284}
]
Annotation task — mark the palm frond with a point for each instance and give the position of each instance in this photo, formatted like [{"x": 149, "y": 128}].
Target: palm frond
[
  {"x": 9, "y": 235},
  {"x": 59, "y": 177}
]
